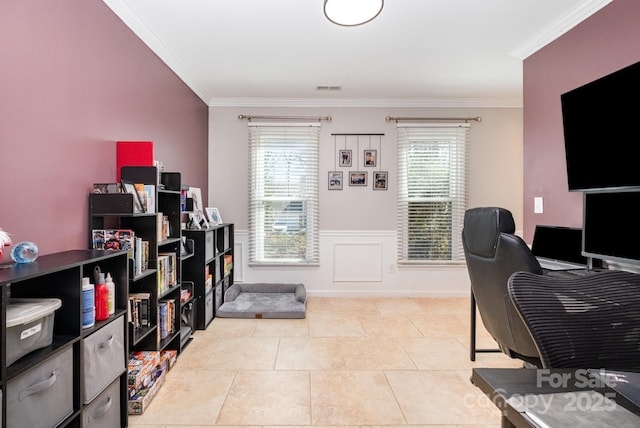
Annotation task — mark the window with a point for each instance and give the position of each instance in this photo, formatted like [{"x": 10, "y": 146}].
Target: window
[
  {"x": 432, "y": 192},
  {"x": 283, "y": 194}
]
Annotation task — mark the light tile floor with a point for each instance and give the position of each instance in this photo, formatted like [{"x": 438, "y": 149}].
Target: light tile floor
[{"x": 352, "y": 362}]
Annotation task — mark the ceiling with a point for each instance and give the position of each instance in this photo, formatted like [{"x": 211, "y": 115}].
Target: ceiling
[{"x": 415, "y": 53}]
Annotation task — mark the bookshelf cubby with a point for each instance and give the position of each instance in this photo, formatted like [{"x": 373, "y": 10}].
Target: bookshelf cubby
[
  {"x": 210, "y": 269},
  {"x": 83, "y": 378},
  {"x": 155, "y": 263}
]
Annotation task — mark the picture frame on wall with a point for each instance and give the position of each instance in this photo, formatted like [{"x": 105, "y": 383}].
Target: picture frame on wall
[
  {"x": 335, "y": 180},
  {"x": 344, "y": 157},
  {"x": 380, "y": 180},
  {"x": 357, "y": 178},
  {"x": 370, "y": 158}
]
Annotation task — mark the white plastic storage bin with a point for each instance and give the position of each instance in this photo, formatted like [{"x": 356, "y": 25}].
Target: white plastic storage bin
[
  {"x": 42, "y": 396},
  {"x": 104, "y": 411},
  {"x": 103, "y": 358},
  {"x": 29, "y": 325}
]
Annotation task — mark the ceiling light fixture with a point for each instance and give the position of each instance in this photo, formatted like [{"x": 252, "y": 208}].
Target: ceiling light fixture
[{"x": 350, "y": 13}]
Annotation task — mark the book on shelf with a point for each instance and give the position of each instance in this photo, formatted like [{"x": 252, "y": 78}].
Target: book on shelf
[
  {"x": 141, "y": 256},
  {"x": 139, "y": 313},
  {"x": 228, "y": 264},
  {"x": 105, "y": 188},
  {"x": 147, "y": 196},
  {"x": 166, "y": 316},
  {"x": 150, "y": 192},
  {"x": 163, "y": 227},
  {"x": 167, "y": 271}
]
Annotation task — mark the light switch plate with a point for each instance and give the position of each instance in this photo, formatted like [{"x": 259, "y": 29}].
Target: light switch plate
[{"x": 537, "y": 205}]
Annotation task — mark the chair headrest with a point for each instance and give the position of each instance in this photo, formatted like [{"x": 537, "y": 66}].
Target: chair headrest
[{"x": 482, "y": 227}]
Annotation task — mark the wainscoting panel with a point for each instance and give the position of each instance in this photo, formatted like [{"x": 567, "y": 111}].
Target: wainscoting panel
[
  {"x": 238, "y": 261},
  {"x": 357, "y": 262}
]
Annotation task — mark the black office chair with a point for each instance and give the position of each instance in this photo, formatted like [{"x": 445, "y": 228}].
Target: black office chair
[
  {"x": 493, "y": 253},
  {"x": 588, "y": 321}
]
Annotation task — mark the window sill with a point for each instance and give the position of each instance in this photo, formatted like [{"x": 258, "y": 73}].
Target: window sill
[
  {"x": 431, "y": 265},
  {"x": 283, "y": 264}
]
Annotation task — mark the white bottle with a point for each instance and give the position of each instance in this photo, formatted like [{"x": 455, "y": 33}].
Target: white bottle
[
  {"x": 112, "y": 294},
  {"x": 88, "y": 303}
]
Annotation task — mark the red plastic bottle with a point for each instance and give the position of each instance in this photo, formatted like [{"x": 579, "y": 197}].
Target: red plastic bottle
[{"x": 102, "y": 299}]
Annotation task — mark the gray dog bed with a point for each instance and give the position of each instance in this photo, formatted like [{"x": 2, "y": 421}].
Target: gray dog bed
[{"x": 264, "y": 301}]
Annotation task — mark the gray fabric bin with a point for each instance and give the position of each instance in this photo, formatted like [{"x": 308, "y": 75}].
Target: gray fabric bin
[
  {"x": 103, "y": 358},
  {"x": 208, "y": 306},
  {"x": 104, "y": 411},
  {"x": 43, "y": 395}
]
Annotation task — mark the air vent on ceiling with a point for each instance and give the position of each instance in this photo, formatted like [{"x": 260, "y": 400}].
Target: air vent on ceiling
[{"x": 328, "y": 88}]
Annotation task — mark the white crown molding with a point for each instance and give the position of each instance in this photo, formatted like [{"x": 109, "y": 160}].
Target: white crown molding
[
  {"x": 122, "y": 9},
  {"x": 133, "y": 21},
  {"x": 560, "y": 26},
  {"x": 367, "y": 102}
]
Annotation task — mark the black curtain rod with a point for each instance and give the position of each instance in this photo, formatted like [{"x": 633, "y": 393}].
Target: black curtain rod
[{"x": 364, "y": 135}]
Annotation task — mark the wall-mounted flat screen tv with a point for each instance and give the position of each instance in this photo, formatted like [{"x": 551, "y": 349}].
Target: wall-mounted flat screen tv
[
  {"x": 610, "y": 228},
  {"x": 601, "y": 135}
]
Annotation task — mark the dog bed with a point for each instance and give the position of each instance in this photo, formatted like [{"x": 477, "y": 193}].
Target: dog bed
[{"x": 264, "y": 301}]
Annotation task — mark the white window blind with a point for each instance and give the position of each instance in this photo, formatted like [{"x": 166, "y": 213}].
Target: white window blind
[
  {"x": 432, "y": 192},
  {"x": 283, "y": 194}
]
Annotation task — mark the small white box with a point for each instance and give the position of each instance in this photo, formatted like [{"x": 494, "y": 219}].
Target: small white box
[{"x": 29, "y": 325}]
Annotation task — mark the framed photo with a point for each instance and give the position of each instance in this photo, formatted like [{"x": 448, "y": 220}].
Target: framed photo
[
  {"x": 335, "y": 180},
  {"x": 214, "y": 215},
  {"x": 357, "y": 178},
  {"x": 130, "y": 187},
  {"x": 370, "y": 158},
  {"x": 380, "y": 180},
  {"x": 194, "y": 221},
  {"x": 344, "y": 158},
  {"x": 196, "y": 196}
]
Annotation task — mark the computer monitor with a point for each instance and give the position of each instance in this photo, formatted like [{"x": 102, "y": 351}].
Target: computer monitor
[
  {"x": 611, "y": 230},
  {"x": 558, "y": 243}
]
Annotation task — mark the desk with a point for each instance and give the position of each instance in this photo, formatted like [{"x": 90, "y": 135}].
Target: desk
[{"x": 505, "y": 387}]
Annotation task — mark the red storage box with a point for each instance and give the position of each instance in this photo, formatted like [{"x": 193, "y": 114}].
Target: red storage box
[{"x": 134, "y": 153}]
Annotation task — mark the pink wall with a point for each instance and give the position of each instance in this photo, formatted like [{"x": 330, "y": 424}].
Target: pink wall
[
  {"x": 605, "y": 42},
  {"x": 73, "y": 81}
]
